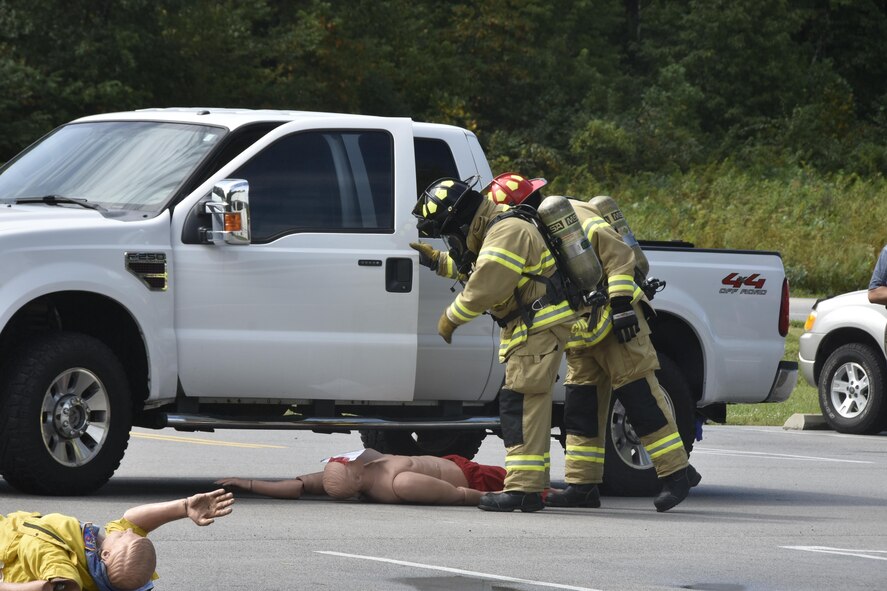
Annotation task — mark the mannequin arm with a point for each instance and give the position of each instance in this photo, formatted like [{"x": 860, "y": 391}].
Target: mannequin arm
[
  {"x": 202, "y": 508},
  {"x": 412, "y": 487},
  {"x": 292, "y": 488}
]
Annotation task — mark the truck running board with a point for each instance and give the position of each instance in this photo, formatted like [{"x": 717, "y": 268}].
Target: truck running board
[{"x": 186, "y": 422}]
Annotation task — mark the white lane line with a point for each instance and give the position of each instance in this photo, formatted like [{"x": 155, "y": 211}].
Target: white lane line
[
  {"x": 771, "y": 456},
  {"x": 458, "y": 571},
  {"x": 819, "y": 432},
  {"x": 841, "y": 551}
]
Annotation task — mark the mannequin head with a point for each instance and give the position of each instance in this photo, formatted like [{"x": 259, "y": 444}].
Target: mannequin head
[
  {"x": 342, "y": 479},
  {"x": 129, "y": 558}
]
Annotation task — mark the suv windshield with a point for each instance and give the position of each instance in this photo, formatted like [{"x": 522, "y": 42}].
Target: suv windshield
[{"x": 135, "y": 165}]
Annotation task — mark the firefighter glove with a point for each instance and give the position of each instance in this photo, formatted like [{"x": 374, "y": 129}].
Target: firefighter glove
[
  {"x": 625, "y": 321},
  {"x": 428, "y": 257},
  {"x": 445, "y": 327}
]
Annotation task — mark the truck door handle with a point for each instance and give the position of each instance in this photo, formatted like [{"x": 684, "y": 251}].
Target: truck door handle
[{"x": 398, "y": 275}]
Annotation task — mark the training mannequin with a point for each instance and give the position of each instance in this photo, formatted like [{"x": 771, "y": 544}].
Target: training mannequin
[
  {"x": 386, "y": 478},
  {"x": 55, "y": 552}
]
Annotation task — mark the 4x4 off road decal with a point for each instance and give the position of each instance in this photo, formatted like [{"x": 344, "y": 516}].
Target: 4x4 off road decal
[{"x": 747, "y": 285}]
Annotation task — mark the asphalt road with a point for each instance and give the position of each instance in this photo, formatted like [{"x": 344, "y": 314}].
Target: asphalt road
[{"x": 776, "y": 510}]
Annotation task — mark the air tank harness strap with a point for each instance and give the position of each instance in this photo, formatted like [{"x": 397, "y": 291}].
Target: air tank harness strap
[{"x": 553, "y": 295}]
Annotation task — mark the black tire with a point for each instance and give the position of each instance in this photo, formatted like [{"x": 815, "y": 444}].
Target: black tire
[
  {"x": 65, "y": 415},
  {"x": 628, "y": 470},
  {"x": 440, "y": 442},
  {"x": 851, "y": 389}
]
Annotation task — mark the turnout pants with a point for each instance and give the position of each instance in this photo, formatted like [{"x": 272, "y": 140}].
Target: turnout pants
[
  {"x": 627, "y": 371},
  {"x": 525, "y": 409}
]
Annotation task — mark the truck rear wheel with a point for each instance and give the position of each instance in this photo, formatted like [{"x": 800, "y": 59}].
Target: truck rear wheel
[
  {"x": 65, "y": 415},
  {"x": 628, "y": 470},
  {"x": 440, "y": 442}
]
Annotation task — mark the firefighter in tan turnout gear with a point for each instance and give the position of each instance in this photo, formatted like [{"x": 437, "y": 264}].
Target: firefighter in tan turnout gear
[
  {"x": 506, "y": 263},
  {"x": 611, "y": 350}
]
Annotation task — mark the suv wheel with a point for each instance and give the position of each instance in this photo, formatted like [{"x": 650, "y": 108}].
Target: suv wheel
[{"x": 851, "y": 389}]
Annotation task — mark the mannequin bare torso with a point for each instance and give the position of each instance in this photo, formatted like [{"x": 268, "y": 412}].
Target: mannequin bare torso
[{"x": 384, "y": 479}]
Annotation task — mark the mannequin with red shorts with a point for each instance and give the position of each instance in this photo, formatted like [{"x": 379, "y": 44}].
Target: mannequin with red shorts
[{"x": 387, "y": 478}]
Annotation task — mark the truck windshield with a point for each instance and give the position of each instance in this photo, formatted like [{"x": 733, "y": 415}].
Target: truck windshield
[{"x": 134, "y": 165}]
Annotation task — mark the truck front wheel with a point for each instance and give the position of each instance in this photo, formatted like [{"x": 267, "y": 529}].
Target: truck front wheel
[
  {"x": 440, "y": 442},
  {"x": 65, "y": 415},
  {"x": 628, "y": 470}
]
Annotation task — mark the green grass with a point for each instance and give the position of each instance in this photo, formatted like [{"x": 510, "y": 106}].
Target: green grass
[
  {"x": 828, "y": 228},
  {"x": 803, "y": 399}
]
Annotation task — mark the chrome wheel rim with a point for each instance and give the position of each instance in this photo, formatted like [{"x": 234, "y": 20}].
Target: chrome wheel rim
[
  {"x": 75, "y": 417},
  {"x": 626, "y": 442},
  {"x": 849, "y": 390}
]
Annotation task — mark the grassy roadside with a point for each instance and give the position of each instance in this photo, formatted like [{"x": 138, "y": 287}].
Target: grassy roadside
[{"x": 804, "y": 398}]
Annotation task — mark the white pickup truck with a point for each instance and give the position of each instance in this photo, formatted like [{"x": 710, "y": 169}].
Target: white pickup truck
[{"x": 215, "y": 268}]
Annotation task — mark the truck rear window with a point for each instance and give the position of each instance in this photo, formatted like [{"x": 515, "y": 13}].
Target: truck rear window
[{"x": 434, "y": 160}]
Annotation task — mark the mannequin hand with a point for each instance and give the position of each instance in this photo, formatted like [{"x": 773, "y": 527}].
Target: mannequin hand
[
  {"x": 241, "y": 483},
  {"x": 203, "y": 508},
  {"x": 625, "y": 321},
  {"x": 428, "y": 257},
  {"x": 445, "y": 327}
]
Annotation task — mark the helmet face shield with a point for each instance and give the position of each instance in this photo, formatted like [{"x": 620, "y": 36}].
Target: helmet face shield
[
  {"x": 457, "y": 248},
  {"x": 440, "y": 207}
]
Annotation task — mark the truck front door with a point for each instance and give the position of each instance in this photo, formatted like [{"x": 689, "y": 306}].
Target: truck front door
[{"x": 321, "y": 304}]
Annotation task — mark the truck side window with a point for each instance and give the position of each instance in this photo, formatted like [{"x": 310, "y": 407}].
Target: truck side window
[
  {"x": 322, "y": 181},
  {"x": 434, "y": 160}
]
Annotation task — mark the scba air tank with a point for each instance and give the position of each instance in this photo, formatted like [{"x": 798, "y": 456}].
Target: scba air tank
[
  {"x": 576, "y": 253},
  {"x": 613, "y": 216}
]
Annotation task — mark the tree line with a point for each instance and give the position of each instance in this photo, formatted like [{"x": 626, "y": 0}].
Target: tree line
[{"x": 591, "y": 87}]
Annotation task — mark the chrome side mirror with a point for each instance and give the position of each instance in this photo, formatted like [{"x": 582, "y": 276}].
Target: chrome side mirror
[{"x": 229, "y": 207}]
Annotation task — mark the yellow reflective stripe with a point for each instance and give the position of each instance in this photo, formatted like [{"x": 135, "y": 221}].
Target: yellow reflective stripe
[
  {"x": 545, "y": 317},
  {"x": 460, "y": 312},
  {"x": 551, "y": 314},
  {"x": 449, "y": 268},
  {"x": 574, "y": 457},
  {"x": 517, "y": 337},
  {"x": 584, "y": 453},
  {"x": 668, "y": 443},
  {"x": 621, "y": 285},
  {"x": 585, "y": 448},
  {"x": 525, "y": 462},
  {"x": 591, "y": 224},
  {"x": 547, "y": 460},
  {"x": 616, "y": 284},
  {"x": 503, "y": 257},
  {"x": 593, "y": 337}
]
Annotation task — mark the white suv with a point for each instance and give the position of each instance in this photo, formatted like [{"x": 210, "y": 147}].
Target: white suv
[{"x": 842, "y": 353}]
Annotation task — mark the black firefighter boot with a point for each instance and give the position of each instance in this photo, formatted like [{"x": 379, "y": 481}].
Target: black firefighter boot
[
  {"x": 511, "y": 500},
  {"x": 575, "y": 495},
  {"x": 676, "y": 487}
]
